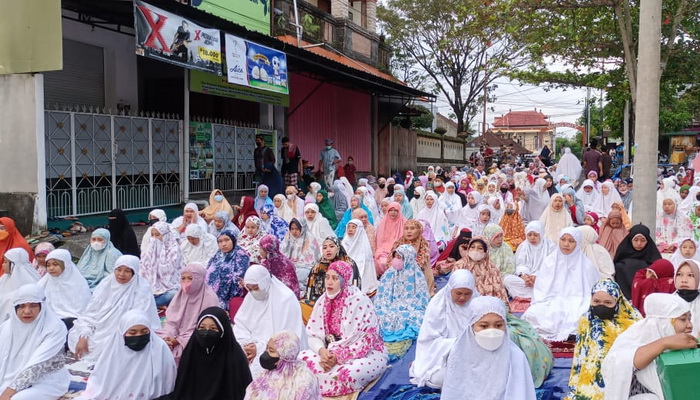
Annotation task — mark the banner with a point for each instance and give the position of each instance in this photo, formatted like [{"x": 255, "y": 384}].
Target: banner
[
  {"x": 201, "y": 151},
  {"x": 250, "y": 64},
  {"x": 171, "y": 38},
  {"x": 202, "y": 82}
]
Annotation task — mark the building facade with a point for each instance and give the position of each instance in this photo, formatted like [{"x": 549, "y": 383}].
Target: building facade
[{"x": 529, "y": 128}]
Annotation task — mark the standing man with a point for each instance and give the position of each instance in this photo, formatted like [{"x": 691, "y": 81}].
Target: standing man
[
  {"x": 592, "y": 161},
  {"x": 606, "y": 165},
  {"x": 291, "y": 163},
  {"x": 330, "y": 158},
  {"x": 262, "y": 155}
]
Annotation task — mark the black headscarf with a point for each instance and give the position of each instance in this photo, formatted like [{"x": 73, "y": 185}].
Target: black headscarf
[
  {"x": 452, "y": 249},
  {"x": 122, "y": 235},
  {"x": 222, "y": 374},
  {"x": 552, "y": 190},
  {"x": 628, "y": 260}
]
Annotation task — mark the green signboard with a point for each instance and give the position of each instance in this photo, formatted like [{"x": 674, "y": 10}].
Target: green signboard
[
  {"x": 203, "y": 82},
  {"x": 252, "y": 14},
  {"x": 201, "y": 151}
]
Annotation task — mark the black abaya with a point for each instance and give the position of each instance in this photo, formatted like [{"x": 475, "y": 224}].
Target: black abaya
[
  {"x": 122, "y": 234},
  {"x": 628, "y": 260}
]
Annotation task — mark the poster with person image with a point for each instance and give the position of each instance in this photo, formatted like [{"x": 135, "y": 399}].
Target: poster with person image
[
  {"x": 201, "y": 151},
  {"x": 253, "y": 65}
]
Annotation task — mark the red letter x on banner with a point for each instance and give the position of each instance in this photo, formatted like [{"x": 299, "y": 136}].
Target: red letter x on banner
[{"x": 156, "y": 26}]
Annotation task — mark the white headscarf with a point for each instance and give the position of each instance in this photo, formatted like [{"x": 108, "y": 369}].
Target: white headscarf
[
  {"x": 569, "y": 165},
  {"x": 618, "y": 365},
  {"x": 677, "y": 258},
  {"x": 109, "y": 301},
  {"x": 28, "y": 344},
  {"x": 67, "y": 294},
  {"x": 202, "y": 252},
  {"x": 555, "y": 221},
  {"x": 160, "y": 217},
  {"x": 162, "y": 262},
  {"x": 360, "y": 250},
  {"x": 314, "y": 187},
  {"x": 347, "y": 188},
  {"x": 319, "y": 226},
  {"x": 274, "y": 308},
  {"x": 562, "y": 291},
  {"x": 528, "y": 257},
  {"x": 604, "y": 202},
  {"x": 284, "y": 212},
  {"x": 23, "y": 272},
  {"x": 669, "y": 191},
  {"x": 443, "y": 322},
  {"x": 687, "y": 203},
  {"x": 198, "y": 220},
  {"x": 436, "y": 218},
  {"x": 450, "y": 202},
  {"x": 122, "y": 373},
  {"x": 418, "y": 204},
  {"x": 589, "y": 199},
  {"x": 538, "y": 199},
  {"x": 474, "y": 373},
  {"x": 598, "y": 255}
]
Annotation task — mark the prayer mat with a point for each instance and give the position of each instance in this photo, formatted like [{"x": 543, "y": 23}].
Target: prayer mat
[
  {"x": 519, "y": 305},
  {"x": 563, "y": 349},
  {"x": 399, "y": 349}
]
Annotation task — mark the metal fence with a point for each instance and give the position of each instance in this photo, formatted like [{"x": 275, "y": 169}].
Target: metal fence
[{"x": 98, "y": 162}]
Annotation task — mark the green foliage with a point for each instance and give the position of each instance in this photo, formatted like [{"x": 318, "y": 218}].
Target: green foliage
[
  {"x": 422, "y": 121},
  {"x": 575, "y": 144}
]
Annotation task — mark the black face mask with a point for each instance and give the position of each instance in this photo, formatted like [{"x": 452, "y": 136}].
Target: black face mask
[
  {"x": 687, "y": 294},
  {"x": 268, "y": 362},
  {"x": 512, "y": 185},
  {"x": 504, "y": 190},
  {"x": 603, "y": 312},
  {"x": 152, "y": 222},
  {"x": 137, "y": 343},
  {"x": 208, "y": 339},
  {"x": 381, "y": 185}
]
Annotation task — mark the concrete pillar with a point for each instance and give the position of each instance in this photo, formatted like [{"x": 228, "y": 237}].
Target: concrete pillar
[
  {"x": 372, "y": 16},
  {"x": 340, "y": 8},
  {"x": 22, "y": 153}
]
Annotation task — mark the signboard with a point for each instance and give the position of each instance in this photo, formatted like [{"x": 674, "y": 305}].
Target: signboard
[
  {"x": 251, "y": 14},
  {"x": 250, "y": 64},
  {"x": 202, "y": 82},
  {"x": 173, "y": 39},
  {"x": 201, "y": 151}
]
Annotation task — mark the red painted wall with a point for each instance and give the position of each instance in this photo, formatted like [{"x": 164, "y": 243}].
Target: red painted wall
[{"x": 335, "y": 112}]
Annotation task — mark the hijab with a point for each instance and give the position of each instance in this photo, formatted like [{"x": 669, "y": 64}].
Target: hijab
[
  {"x": 296, "y": 248},
  {"x": 225, "y": 218},
  {"x": 610, "y": 237},
  {"x": 224, "y": 270},
  {"x": 95, "y": 265},
  {"x": 624, "y": 270},
  {"x": 319, "y": 226},
  {"x": 418, "y": 203},
  {"x": 360, "y": 250},
  {"x": 486, "y": 273},
  {"x": 278, "y": 264},
  {"x": 162, "y": 262},
  {"x": 284, "y": 211},
  {"x": 43, "y": 248},
  {"x": 339, "y": 201},
  {"x": 596, "y": 253},
  {"x": 589, "y": 199},
  {"x": 436, "y": 217},
  {"x": 604, "y": 201},
  {"x": 274, "y": 225},
  {"x": 203, "y": 251},
  {"x": 247, "y": 210},
  {"x": 389, "y": 230},
  {"x": 154, "y": 216},
  {"x": 223, "y": 367},
  {"x": 22, "y": 273},
  {"x": 326, "y": 209},
  {"x": 662, "y": 282},
  {"x": 29, "y": 344},
  {"x": 68, "y": 294},
  {"x": 555, "y": 220},
  {"x": 261, "y": 201},
  {"x": 251, "y": 244},
  {"x": 12, "y": 239},
  {"x": 474, "y": 373},
  {"x": 153, "y": 368},
  {"x": 216, "y": 206},
  {"x": 122, "y": 234},
  {"x": 569, "y": 165},
  {"x": 529, "y": 258},
  {"x": 594, "y": 338},
  {"x": 513, "y": 227},
  {"x": 537, "y": 200},
  {"x": 502, "y": 255}
]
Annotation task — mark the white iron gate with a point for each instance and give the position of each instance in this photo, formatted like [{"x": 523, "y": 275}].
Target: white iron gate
[{"x": 98, "y": 162}]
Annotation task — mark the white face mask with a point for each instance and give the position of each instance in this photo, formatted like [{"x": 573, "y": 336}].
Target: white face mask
[
  {"x": 476, "y": 255},
  {"x": 258, "y": 295},
  {"x": 290, "y": 197},
  {"x": 97, "y": 246},
  {"x": 489, "y": 339},
  {"x": 332, "y": 296},
  {"x": 331, "y": 194}
]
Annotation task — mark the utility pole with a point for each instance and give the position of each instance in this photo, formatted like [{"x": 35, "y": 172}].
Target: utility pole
[
  {"x": 647, "y": 113},
  {"x": 587, "y": 138},
  {"x": 626, "y": 133},
  {"x": 486, "y": 80}
]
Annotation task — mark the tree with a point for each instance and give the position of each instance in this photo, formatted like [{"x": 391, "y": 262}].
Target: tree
[{"x": 462, "y": 46}]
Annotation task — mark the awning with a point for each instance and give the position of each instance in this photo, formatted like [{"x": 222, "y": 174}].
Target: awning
[{"x": 313, "y": 61}]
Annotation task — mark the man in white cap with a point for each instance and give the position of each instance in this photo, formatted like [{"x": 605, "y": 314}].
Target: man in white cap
[{"x": 329, "y": 159}]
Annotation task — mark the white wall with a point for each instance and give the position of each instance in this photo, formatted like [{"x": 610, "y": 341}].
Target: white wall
[{"x": 121, "y": 84}]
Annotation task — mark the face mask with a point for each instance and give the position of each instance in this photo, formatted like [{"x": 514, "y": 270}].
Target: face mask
[
  {"x": 329, "y": 147},
  {"x": 504, "y": 190},
  {"x": 603, "y": 312},
  {"x": 186, "y": 287},
  {"x": 438, "y": 183},
  {"x": 97, "y": 246},
  {"x": 152, "y": 222},
  {"x": 510, "y": 212},
  {"x": 258, "y": 295},
  {"x": 512, "y": 186},
  {"x": 268, "y": 362},
  {"x": 137, "y": 343},
  {"x": 489, "y": 339},
  {"x": 397, "y": 264},
  {"x": 381, "y": 186},
  {"x": 218, "y": 198},
  {"x": 290, "y": 197},
  {"x": 476, "y": 255},
  {"x": 416, "y": 195},
  {"x": 331, "y": 194},
  {"x": 688, "y": 294},
  {"x": 4, "y": 235},
  {"x": 208, "y": 339},
  {"x": 332, "y": 296}
]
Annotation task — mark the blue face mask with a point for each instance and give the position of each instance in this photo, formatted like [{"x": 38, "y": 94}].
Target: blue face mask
[
  {"x": 218, "y": 198},
  {"x": 329, "y": 147}
]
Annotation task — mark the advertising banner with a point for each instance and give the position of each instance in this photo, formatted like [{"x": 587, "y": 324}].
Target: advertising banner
[
  {"x": 201, "y": 151},
  {"x": 202, "y": 82},
  {"x": 250, "y": 64},
  {"x": 171, "y": 38}
]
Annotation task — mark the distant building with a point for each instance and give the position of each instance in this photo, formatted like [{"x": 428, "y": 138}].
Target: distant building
[
  {"x": 442, "y": 121},
  {"x": 529, "y": 128}
]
